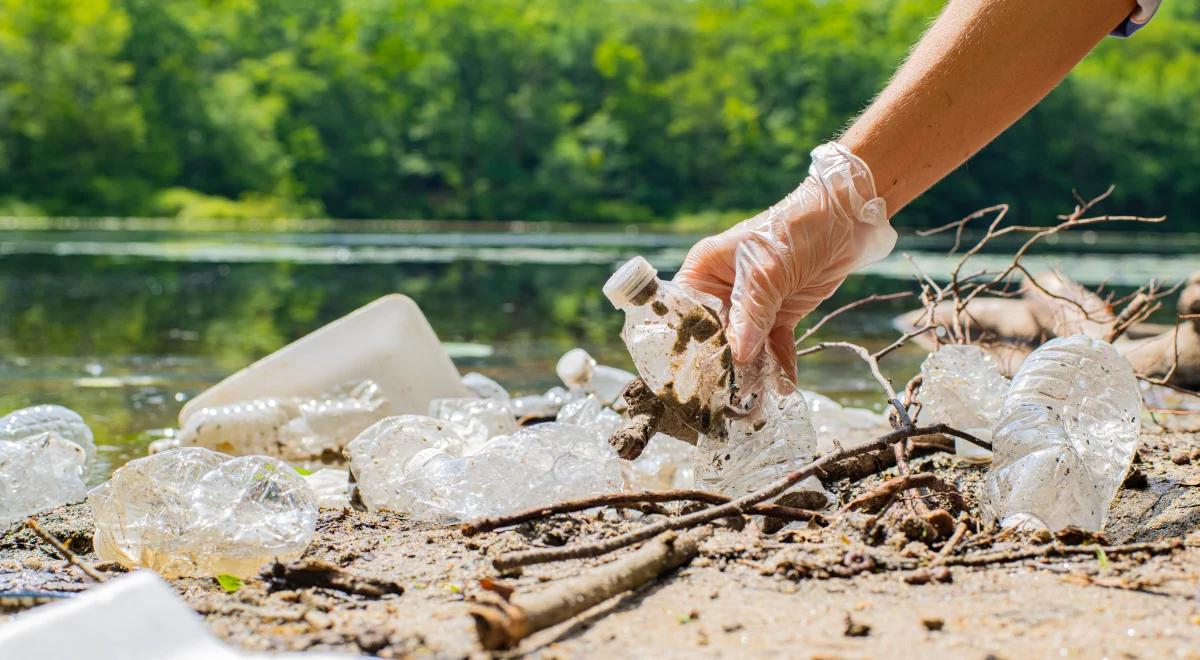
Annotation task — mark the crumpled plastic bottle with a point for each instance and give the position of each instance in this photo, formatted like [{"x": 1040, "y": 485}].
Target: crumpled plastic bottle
[
  {"x": 38, "y": 473},
  {"x": 962, "y": 386},
  {"x": 849, "y": 426},
  {"x": 418, "y": 471},
  {"x": 676, "y": 340},
  {"x": 1066, "y": 436},
  {"x": 30, "y": 423},
  {"x": 749, "y": 425},
  {"x": 194, "y": 512},
  {"x": 314, "y": 429}
]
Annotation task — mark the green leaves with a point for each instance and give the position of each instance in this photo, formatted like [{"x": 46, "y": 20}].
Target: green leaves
[
  {"x": 230, "y": 583},
  {"x": 533, "y": 109}
]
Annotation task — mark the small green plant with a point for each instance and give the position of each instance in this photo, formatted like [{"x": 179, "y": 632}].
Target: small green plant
[
  {"x": 304, "y": 472},
  {"x": 230, "y": 583}
]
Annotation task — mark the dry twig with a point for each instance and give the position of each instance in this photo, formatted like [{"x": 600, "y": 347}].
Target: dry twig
[
  {"x": 503, "y": 624},
  {"x": 64, "y": 550},
  {"x": 739, "y": 506},
  {"x": 624, "y": 499}
]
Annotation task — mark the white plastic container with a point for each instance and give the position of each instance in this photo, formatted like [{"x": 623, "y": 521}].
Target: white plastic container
[{"x": 388, "y": 342}]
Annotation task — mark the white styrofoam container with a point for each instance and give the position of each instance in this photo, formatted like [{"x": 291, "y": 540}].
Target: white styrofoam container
[
  {"x": 388, "y": 341},
  {"x": 133, "y": 617}
]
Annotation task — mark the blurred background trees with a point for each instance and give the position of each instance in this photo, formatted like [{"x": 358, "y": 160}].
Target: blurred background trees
[{"x": 573, "y": 110}]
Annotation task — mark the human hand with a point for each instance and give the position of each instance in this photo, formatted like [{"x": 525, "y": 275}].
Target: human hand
[{"x": 775, "y": 268}]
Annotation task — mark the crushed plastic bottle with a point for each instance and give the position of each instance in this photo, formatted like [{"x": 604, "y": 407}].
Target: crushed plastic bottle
[
  {"x": 30, "y": 423},
  {"x": 477, "y": 420},
  {"x": 330, "y": 487},
  {"x": 314, "y": 430},
  {"x": 847, "y": 426},
  {"x": 533, "y": 466},
  {"x": 690, "y": 390},
  {"x": 575, "y": 369},
  {"x": 194, "y": 512},
  {"x": 677, "y": 343},
  {"x": 665, "y": 463},
  {"x": 774, "y": 439},
  {"x": 38, "y": 473},
  {"x": 1066, "y": 436},
  {"x": 484, "y": 387},
  {"x": 962, "y": 386},
  {"x": 380, "y": 455},
  {"x": 590, "y": 415}
]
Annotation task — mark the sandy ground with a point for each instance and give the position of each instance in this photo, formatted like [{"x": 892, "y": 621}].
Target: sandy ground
[{"x": 747, "y": 594}]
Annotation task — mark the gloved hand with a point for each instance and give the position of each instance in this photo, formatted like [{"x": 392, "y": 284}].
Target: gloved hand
[{"x": 773, "y": 269}]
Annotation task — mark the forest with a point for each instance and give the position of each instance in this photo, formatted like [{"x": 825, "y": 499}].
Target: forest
[{"x": 617, "y": 111}]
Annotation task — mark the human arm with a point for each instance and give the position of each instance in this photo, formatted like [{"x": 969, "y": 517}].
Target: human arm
[{"x": 981, "y": 66}]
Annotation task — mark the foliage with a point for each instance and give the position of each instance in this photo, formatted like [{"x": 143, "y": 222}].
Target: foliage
[{"x": 606, "y": 110}]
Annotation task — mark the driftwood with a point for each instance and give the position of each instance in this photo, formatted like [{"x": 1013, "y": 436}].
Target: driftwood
[{"x": 503, "y": 624}]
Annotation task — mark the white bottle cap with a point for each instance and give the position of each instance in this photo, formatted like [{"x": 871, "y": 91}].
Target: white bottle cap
[{"x": 628, "y": 281}]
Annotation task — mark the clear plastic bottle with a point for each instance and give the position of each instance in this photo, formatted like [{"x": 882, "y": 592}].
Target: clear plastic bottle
[
  {"x": 1066, "y": 435},
  {"x": 676, "y": 340}
]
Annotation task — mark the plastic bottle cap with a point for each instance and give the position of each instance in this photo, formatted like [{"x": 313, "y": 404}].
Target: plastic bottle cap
[{"x": 630, "y": 278}]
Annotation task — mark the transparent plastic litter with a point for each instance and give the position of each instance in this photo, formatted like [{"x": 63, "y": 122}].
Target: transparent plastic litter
[
  {"x": 330, "y": 487},
  {"x": 533, "y": 466},
  {"x": 774, "y": 439},
  {"x": 304, "y": 430},
  {"x": 1066, "y": 436},
  {"x": 581, "y": 375},
  {"x": 675, "y": 338},
  {"x": 30, "y": 423},
  {"x": 380, "y": 455},
  {"x": 39, "y": 473},
  {"x": 847, "y": 426},
  {"x": 477, "y": 420},
  {"x": 962, "y": 386},
  {"x": 589, "y": 414},
  {"x": 484, "y": 387},
  {"x": 665, "y": 463},
  {"x": 195, "y": 512}
]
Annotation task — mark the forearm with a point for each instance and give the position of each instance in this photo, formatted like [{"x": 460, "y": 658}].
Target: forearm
[{"x": 982, "y": 65}]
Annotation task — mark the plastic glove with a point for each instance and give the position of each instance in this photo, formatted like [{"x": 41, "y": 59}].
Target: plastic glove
[{"x": 776, "y": 267}]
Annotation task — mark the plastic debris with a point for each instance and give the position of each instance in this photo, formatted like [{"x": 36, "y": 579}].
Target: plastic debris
[
  {"x": 39, "y": 473},
  {"x": 330, "y": 487},
  {"x": 484, "y": 387},
  {"x": 665, "y": 463},
  {"x": 774, "y": 439},
  {"x": 535, "y": 465},
  {"x": 848, "y": 426},
  {"x": 1067, "y": 433},
  {"x": 388, "y": 342},
  {"x": 478, "y": 420},
  {"x": 691, "y": 391},
  {"x": 962, "y": 386},
  {"x": 575, "y": 369},
  {"x": 30, "y": 423},
  {"x": 542, "y": 406},
  {"x": 380, "y": 455},
  {"x": 195, "y": 512},
  {"x": 676, "y": 340},
  {"x": 132, "y": 616},
  {"x": 589, "y": 414},
  {"x": 293, "y": 429}
]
